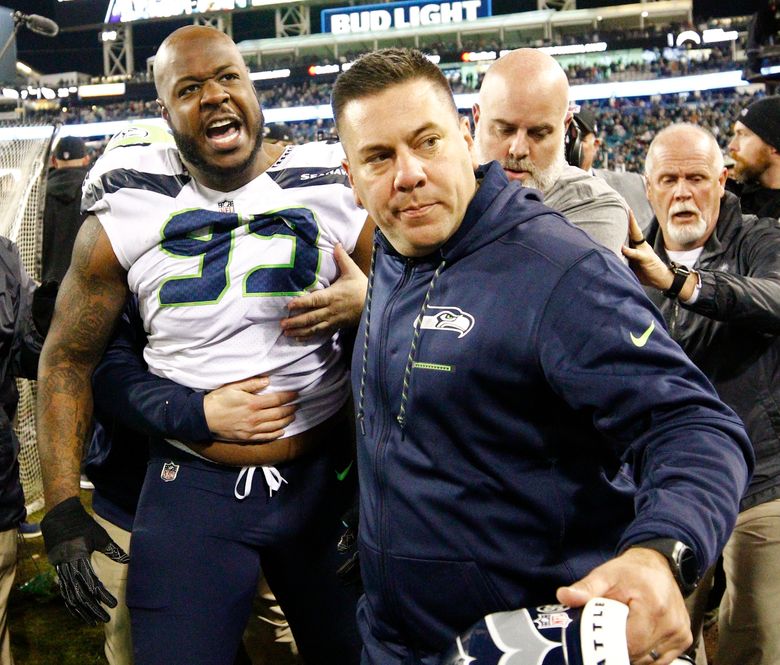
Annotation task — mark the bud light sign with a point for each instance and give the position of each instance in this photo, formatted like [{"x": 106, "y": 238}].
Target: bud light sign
[{"x": 414, "y": 14}]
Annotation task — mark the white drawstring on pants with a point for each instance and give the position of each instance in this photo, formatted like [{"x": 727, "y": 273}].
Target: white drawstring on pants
[{"x": 272, "y": 476}]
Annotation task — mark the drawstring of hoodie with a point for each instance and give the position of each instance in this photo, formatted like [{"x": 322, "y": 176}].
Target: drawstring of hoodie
[
  {"x": 272, "y": 476},
  {"x": 364, "y": 358},
  {"x": 401, "y": 417}
]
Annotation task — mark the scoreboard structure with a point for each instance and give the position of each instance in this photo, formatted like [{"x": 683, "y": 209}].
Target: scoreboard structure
[{"x": 367, "y": 25}]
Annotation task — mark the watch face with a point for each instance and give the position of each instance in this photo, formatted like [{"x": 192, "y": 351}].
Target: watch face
[{"x": 689, "y": 568}]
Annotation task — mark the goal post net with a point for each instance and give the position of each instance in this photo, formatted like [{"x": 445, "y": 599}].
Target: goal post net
[{"x": 24, "y": 158}]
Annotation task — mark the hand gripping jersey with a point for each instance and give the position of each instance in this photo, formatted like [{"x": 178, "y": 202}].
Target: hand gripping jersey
[
  {"x": 548, "y": 635},
  {"x": 214, "y": 271}
]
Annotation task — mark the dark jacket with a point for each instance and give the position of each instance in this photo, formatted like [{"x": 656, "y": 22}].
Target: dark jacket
[
  {"x": 20, "y": 346},
  {"x": 62, "y": 220},
  {"x": 508, "y": 450},
  {"x": 732, "y": 331},
  {"x": 757, "y": 200},
  {"x": 132, "y": 405}
]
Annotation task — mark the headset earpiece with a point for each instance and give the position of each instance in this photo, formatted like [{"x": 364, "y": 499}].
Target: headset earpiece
[{"x": 573, "y": 143}]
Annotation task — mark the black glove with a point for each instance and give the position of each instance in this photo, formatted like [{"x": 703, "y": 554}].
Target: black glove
[
  {"x": 70, "y": 536},
  {"x": 43, "y": 301}
]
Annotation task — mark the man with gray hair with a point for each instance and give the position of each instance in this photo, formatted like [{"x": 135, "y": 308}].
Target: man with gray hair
[
  {"x": 715, "y": 275},
  {"x": 521, "y": 120}
]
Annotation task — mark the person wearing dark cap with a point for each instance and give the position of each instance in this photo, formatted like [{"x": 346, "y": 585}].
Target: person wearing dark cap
[
  {"x": 583, "y": 142},
  {"x": 62, "y": 216},
  {"x": 756, "y": 152},
  {"x": 278, "y": 133},
  {"x": 582, "y": 152}
]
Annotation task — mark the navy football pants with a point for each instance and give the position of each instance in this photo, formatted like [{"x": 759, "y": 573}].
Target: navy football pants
[{"x": 197, "y": 551}]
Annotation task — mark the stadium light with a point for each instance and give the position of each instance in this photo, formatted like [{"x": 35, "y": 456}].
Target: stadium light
[
  {"x": 478, "y": 56},
  {"x": 714, "y": 35},
  {"x": 270, "y": 74},
  {"x": 101, "y": 90},
  {"x": 574, "y": 49},
  {"x": 319, "y": 70}
]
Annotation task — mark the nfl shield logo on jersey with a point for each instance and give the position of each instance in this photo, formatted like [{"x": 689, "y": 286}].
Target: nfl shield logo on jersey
[
  {"x": 226, "y": 206},
  {"x": 169, "y": 472},
  {"x": 548, "y": 635}
]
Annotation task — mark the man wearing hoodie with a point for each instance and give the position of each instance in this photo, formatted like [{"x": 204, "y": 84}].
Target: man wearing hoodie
[
  {"x": 62, "y": 215},
  {"x": 526, "y": 427}
]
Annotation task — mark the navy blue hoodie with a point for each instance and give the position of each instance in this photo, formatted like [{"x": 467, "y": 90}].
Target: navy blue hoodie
[{"x": 542, "y": 422}]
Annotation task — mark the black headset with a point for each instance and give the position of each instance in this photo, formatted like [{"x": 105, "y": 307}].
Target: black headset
[{"x": 573, "y": 142}]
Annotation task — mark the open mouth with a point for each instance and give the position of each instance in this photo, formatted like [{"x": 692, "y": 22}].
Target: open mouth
[
  {"x": 223, "y": 134},
  {"x": 684, "y": 216}
]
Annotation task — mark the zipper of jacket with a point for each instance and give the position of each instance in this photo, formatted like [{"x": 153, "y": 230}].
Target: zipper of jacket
[
  {"x": 388, "y": 422},
  {"x": 673, "y": 319}
]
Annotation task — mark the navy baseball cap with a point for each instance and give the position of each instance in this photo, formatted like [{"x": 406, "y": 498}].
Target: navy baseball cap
[
  {"x": 70, "y": 147},
  {"x": 587, "y": 120}
]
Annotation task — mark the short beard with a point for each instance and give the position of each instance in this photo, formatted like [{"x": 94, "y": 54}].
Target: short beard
[
  {"x": 190, "y": 154},
  {"x": 684, "y": 235},
  {"x": 745, "y": 173},
  {"x": 541, "y": 179}
]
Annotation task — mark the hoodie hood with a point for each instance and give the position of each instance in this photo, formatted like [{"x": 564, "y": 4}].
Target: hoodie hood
[
  {"x": 65, "y": 184},
  {"x": 484, "y": 222}
]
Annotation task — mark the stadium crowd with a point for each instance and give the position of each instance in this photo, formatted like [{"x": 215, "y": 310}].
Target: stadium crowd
[
  {"x": 580, "y": 473},
  {"x": 626, "y": 124}
]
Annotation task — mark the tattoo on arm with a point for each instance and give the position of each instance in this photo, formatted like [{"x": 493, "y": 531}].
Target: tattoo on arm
[{"x": 88, "y": 305}]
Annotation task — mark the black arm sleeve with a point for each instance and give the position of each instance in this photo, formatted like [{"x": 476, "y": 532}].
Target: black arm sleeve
[{"x": 125, "y": 390}]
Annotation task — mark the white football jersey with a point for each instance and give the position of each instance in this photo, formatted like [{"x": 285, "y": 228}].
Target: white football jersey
[{"x": 214, "y": 271}]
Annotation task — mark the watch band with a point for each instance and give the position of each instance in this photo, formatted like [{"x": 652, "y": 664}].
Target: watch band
[
  {"x": 681, "y": 273},
  {"x": 681, "y": 559}
]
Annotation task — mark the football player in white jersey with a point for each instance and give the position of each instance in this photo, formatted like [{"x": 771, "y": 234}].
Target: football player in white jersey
[{"x": 217, "y": 237}]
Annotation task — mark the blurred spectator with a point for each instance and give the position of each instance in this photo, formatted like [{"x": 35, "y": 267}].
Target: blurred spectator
[
  {"x": 585, "y": 127},
  {"x": 278, "y": 133},
  {"x": 631, "y": 186},
  {"x": 756, "y": 152},
  {"x": 62, "y": 216}
]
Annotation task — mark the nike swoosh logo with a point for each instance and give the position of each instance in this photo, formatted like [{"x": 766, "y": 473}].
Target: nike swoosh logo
[
  {"x": 343, "y": 474},
  {"x": 642, "y": 339}
]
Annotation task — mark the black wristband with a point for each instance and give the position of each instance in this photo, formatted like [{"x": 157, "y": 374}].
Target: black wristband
[
  {"x": 66, "y": 521},
  {"x": 681, "y": 273}
]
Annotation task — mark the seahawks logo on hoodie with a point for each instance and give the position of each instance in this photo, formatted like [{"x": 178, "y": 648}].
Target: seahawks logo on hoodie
[{"x": 448, "y": 318}]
